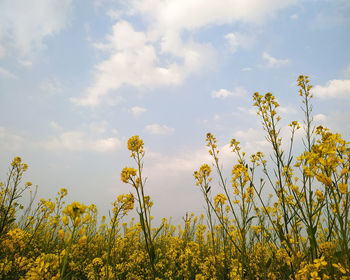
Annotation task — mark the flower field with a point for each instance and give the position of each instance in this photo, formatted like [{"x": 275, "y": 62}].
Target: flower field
[{"x": 300, "y": 231}]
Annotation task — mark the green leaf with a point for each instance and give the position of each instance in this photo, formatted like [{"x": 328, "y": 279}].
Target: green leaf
[{"x": 158, "y": 231}]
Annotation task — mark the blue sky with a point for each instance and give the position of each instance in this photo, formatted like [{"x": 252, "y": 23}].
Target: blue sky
[{"x": 78, "y": 78}]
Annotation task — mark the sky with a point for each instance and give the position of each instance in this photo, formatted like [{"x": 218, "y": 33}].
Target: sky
[{"x": 78, "y": 78}]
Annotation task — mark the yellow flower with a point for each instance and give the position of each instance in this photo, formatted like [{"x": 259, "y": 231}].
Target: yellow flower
[
  {"x": 294, "y": 124},
  {"x": 61, "y": 233},
  {"x": 126, "y": 201},
  {"x": 126, "y": 174},
  {"x": 319, "y": 195},
  {"x": 82, "y": 240},
  {"x": 65, "y": 220},
  {"x": 220, "y": 199},
  {"x": 202, "y": 175},
  {"x": 63, "y": 192},
  {"x": 324, "y": 179},
  {"x": 74, "y": 211},
  {"x": 343, "y": 172},
  {"x": 205, "y": 170},
  {"x": 320, "y": 262},
  {"x": 339, "y": 267},
  {"x": 343, "y": 188},
  {"x": 135, "y": 144},
  {"x": 250, "y": 193},
  {"x": 77, "y": 221},
  {"x": 234, "y": 144},
  {"x": 16, "y": 160}
]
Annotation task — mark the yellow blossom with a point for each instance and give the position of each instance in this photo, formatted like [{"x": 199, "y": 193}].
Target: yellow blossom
[
  {"x": 343, "y": 188},
  {"x": 127, "y": 174},
  {"x": 135, "y": 144}
]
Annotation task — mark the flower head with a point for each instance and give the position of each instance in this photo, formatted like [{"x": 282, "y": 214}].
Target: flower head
[
  {"x": 135, "y": 144},
  {"x": 127, "y": 173}
]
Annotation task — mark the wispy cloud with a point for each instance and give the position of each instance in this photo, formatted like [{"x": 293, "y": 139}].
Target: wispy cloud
[
  {"x": 287, "y": 110},
  {"x": 182, "y": 162},
  {"x": 138, "y": 111},
  {"x": 50, "y": 87},
  {"x": 159, "y": 129},
  {"x": 239, "y": 40},
  {"x": 224, "y": 93},
  {"x": 245, "y": 110},
  {"x": 55, "y": 125},
  {"x": 94, "y": 137},
  {"x": 274, "y": 62},
  {"x": 10, "y": 140},
  {"x": 80, "y": 141},
  {"x": 182, "y": 14},
  {"x": 140, "y": 53},
  {"x": 25, "y": 24},
  {"x": 320, "y": 118},
  {"x": 7, "y": 74},
  {"x": 294, "y": 16}
]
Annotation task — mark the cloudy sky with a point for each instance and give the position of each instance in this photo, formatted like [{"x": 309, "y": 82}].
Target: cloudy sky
[{"x": 78, "y": 78}]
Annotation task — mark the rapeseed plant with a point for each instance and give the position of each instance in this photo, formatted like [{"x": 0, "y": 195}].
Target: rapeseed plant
[{"x": 301, "y": 231}]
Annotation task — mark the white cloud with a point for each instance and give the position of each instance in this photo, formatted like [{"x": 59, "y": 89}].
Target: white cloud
[
  {"x": 7, "y": 74},
  {"x": 50, "y": 87},
  {"x": 287, "y": 110},
  {"x": 245, "y": 110},
  {"x": 187, "y": 162},
  {"x": 217, "y": 117},
  {"x": 91, "y": 137},
  {"x": 81, "y": 141},
  {"x": 337, "y": 16},
  {"x": 320, "y": 118},
  {"x": 252, "y": 141},
  {"x": 158, "y": 55},
  {"x": 221, "y": 93},
  {"x": 55, "y": 125},
  {"x": 25, "y": 24},
  {"x": 134, "y": 61},
  {"x": 25, "y": 62},
  {"x": 294, "y": 16},
  {"x": 239, "y": 91},
  {"x": 159, "y": 129},
  {"x": 138, "y": 111},
  {"x": 9, "y": 140},
  {"x": 274, "y": 62},
  {"x": 98, "y": 127},
  {"x": 239, "y": 40},
  {"x": 224, "y": 93},
  {"x": 193, "y": 14},
  {"x": 334, "y": 89},
  {"x": 114, "y": 14}
]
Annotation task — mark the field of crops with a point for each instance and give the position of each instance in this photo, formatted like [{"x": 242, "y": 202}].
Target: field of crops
[{"x": 300, "y": 232}]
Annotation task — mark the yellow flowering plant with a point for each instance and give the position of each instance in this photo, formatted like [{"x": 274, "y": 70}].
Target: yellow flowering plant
[{"x": 299, "y": 230}]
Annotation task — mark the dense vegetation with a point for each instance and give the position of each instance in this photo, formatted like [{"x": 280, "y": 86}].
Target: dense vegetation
[{"x": 301, "y": 231}]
